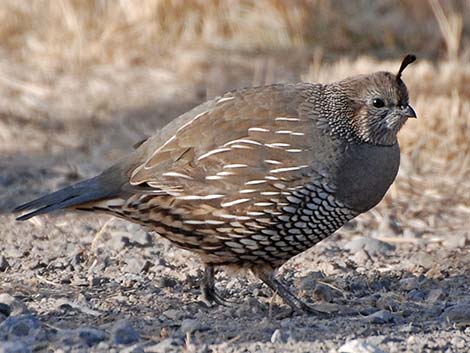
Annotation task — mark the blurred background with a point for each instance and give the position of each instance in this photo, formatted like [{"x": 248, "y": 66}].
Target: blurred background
[{"x": 81, "y": 81}]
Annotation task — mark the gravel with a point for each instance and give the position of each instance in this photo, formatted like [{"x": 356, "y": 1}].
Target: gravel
[
  {"x": 390, "y": 304},
  {"x": 124, "y": 333}
]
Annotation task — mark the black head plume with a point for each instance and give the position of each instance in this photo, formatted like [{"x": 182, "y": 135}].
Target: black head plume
[{"x": 407, "y": 60}]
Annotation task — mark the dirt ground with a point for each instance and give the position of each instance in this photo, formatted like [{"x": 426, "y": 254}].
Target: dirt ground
[{"x": 396, "y": 279}]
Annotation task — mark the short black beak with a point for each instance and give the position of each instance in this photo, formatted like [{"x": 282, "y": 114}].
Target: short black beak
[{"x": 409, "y": 112}]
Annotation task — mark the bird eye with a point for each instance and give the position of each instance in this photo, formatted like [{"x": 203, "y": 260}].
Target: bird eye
[{"x": 378, "y": 103}]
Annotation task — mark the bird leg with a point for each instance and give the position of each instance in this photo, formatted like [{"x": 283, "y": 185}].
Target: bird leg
[
  {"x": 208, "y": 292},
  {"x": 267, "y": 276}
]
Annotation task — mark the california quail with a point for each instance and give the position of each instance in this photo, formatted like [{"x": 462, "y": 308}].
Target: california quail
[{"x": 259, "y": 175}]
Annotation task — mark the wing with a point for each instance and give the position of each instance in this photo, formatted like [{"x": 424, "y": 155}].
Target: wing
[{"x": 245, "y": 133}]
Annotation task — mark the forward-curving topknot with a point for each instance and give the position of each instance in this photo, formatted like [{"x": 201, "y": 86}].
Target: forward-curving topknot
[{"x": 407, "y": 60}]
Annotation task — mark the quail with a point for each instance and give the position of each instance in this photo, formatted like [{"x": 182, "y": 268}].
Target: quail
[{"x": 258, "y": 175}]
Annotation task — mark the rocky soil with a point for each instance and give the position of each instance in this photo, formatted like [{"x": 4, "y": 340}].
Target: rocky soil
[{"x": 84, "y": 283}]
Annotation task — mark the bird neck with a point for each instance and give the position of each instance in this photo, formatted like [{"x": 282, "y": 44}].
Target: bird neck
[{"x": 336, "y": 114}]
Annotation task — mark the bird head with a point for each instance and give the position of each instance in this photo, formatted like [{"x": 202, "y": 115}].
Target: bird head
[{"x": 378, "y": 105}]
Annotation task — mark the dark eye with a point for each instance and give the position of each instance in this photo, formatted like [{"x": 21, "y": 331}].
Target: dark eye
[{"x": 378, "y": 103}]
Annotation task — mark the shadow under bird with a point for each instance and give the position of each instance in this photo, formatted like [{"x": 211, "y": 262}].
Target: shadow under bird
[{"x": 257, "y": 176}]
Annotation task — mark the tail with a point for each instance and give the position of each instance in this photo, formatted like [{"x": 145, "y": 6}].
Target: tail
[{"x": 93, "y": 189}]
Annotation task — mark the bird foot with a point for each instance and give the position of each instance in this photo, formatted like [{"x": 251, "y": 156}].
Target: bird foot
[
  {"x": 211, "y": 298},
  {"x": 308, "y": 309},
  {"x": 209, "y": 295},
  {"x": 289, "y": 298}
]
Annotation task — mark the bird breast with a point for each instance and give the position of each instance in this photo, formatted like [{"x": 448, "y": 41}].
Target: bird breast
[{"x": 364, "y": 173}]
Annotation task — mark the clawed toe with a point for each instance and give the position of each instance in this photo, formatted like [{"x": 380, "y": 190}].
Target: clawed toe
[
  {"x": 302, "y": 309},
  {"x": 210, "y": 299},
  {"x": 308, "y": 309},
  {"x": 289, "y": 298},
  {"x": 209, "y": 296}
]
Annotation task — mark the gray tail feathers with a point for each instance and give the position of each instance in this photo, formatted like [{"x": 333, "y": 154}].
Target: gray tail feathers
[{"x": 85, "y": 191}]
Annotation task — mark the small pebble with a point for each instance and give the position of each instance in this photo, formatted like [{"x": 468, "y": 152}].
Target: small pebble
[
  {"x": 409, "y": 283},
  {"x": 423, "y": 259},
  {"x": 93, "y": 280},
  {"x": 77, "y": 281},
  {"x": 457, "y": 241},
  {"x": 387, "y": 303},
  {"x": 458, "y": 342},
  {"x": 91, "y": 336},
  {"x": 137, "y": 265},
  {"x": 166, "y": 282},
  {"x": 376, "y": 340},
  {"x": 140, "y": 237},
  {"x": 76, "y": 259},
  {"x": 457, "y": 314},
  {"x": 306, "y": 283},
  {"x": 84, "y": 336},
  {"x": 435, "y": 295},
  {"x": 118, "y": 241},
  {"x": 167, "y": 345},
  {"x": 371, "y": 245},
  {"x": 9, "y": 305},
  {"x": 279, "y": 336},
  {"x": 416, "y": 295},
  {"x": 136, "y": 348},
  {"x": 380, "y": 317},
  {"x": 323, "y": 293},
  {"x": 361, "y": 257},
  {"x": 359, "y": 346},
  {"x": 65, "y": 305},
  {"x": 411, "y": 234},
  {"x": 124, "y": 333},
  {"x": 5, "y": 310},
  {"x": 190, "y": 325},
  {"x": 22, "y": 327},
  {"x": 3, "y": 263},
  {"x": 14, "y": 347},
  {"x": 433, "y": 311},
  {"x": 173, "y": 314}
]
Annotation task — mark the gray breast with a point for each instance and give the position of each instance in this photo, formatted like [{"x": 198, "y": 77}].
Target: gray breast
[{"x": 364, "y": 172}]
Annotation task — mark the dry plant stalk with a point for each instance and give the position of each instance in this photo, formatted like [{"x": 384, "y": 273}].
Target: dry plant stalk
[{"x": 451, "y": 26}]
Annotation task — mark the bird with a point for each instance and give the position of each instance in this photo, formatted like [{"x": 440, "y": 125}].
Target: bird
[{"x": 254, "y": 177}]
